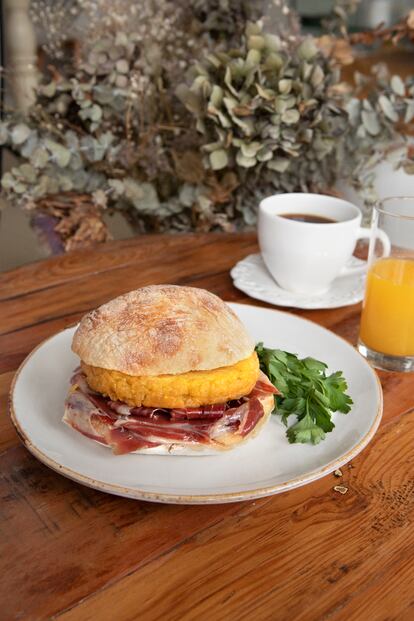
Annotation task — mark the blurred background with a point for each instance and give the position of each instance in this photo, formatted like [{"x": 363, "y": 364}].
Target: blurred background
[
  {"x": 368, "y": 14},
  {"x": 41, "y": 38}
]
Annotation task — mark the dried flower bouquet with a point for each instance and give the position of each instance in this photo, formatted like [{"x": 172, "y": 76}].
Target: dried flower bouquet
[{"x": 184, "y": 114}]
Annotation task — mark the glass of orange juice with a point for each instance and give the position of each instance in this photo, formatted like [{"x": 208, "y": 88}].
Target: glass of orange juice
[{"x": 386, "y": 336}]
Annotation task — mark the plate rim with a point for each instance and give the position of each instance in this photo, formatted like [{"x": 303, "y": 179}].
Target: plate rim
[{"x": 223, "y": 497}]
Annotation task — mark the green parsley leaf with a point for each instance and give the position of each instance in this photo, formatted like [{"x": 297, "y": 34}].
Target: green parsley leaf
[
  {"x": 305, "y": 431},
  {"x": 336, "y": 385},
  {"x": 306, "y": 393}
]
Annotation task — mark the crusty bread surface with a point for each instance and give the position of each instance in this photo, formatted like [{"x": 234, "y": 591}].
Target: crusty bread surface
[{"x": 162, "y": 329}]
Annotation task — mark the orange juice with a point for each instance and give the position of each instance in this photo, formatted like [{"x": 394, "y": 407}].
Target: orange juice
[{"x": 387, "y": 321}]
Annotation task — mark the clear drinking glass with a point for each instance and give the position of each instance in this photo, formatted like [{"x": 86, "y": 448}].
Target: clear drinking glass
[{"x": 386, "y": 336}]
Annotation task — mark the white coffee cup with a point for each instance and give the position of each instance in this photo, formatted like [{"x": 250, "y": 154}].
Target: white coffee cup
[{"x": 305, "y": 257}]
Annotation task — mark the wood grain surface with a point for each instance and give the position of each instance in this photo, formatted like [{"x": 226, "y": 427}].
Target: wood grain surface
[{"x": 71, "y": 553}]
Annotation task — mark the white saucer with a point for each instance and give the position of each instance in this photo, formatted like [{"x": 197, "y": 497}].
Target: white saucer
[{"x": 252, "y": 277}]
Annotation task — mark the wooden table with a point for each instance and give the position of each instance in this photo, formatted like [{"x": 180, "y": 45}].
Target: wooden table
[{"x": 71, "y": 553}]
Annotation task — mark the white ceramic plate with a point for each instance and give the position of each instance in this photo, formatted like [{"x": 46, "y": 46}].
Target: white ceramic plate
[
  {"x": 268, "y": 464},
  {"x": 251, "y": 276}
]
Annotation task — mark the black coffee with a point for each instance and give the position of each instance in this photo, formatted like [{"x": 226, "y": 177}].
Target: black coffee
[{"x": 307, "y": 217}]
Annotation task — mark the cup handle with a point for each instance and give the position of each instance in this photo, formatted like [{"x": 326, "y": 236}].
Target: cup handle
[{"x": 364, "y": 233}]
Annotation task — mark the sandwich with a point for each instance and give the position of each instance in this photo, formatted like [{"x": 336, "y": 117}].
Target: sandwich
[{"x": 167, "y": 369}]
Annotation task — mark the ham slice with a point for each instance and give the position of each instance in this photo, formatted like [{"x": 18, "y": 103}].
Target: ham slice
[
  {"x": 264, "y": 388},
  {"x": 207, "y": 412},
  {"x": 124, "y": 441},
  {"x": 126, "y": 429}
]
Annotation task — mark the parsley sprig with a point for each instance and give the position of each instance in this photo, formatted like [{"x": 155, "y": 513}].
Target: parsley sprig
[{"x": 307, "y": 392}]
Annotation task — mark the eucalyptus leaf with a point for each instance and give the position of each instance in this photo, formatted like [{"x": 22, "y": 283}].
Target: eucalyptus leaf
[
  {"x": 41, "y": 188},
  {"x": 121, "y": 81},
  {"x": 252, "y": 29},
  {"x": 323, "y": 146},
  {"x": 116, "y": 52},
  {"x": 361, "y": 132},
  {"x": 62, "y": 104},
  {"x": 28, "y": 172},
  {"x": 307, "y": 49},
  {"x": 202, "y": 86},
  {"x": 49, "y": 90},
  {"x": 273, "y": 62},
  {"x": 271, "y": 131},
  {"x": 306, "y": 135},
  {"x": 20, "y": 133},
  {"x": 76, "y": 162},
  {"x": 246, "y": 125},
  {"x": 265, "y": 154},
  {"x": 122, "y": 66},
  {"x": 250, "y": 149},
  {"x": 283, "y": 103},
  {"x": 187, "y": 197},
  {"x": 272, "y": 42},
  {"x": 8, "y": 181},
  {"x": 204, "y": 204},
  {"x": 371, "y": 123},
  {"x": 94, "y": 113},
  {"x": 353, "y": 108},
  {"x": 189, "y": 98},
  {"x": 216, "y": 96},
  {"x": 285, "y": 86},
  {"x": 245, "y": 162},
  {"x": 278, "y": 164},
  {"x": 317, "y": 76},
  {"x": 65, "y": 183},
  {"x": 398, "y": 85},
  {"x": 306, "y": 90},
  {"x": 94, "y": 181},
  {"x": 52, "y": 185},
  {"x": 39, "y": 158},
  {"x": 118, "y": 103},
  {"x": 59, "y": 153},
  {"x": 388, "y": 109},
  {"x": 218, "y": 159},
  {"x": 266, "y": 93},
  {"x": 30, "y": 145},
  {"x": 213, "y": 60},
  {"x": 290, "y": 117},
  {"x": 116, "y": 186},
  {"x": 409, "y": 112},
  {"x": 253, "y": 59},
  {"x": 256, "y": 42},
  {"x": 19, "y": 187},
  {"x": 106, "y": 139},
  {"x": 307, "y": 69},
  {"x": 143, "y": 196},
  {"x": 103, "y": 95},
  {"x": 228, "y": 81},
  {"x": 72, "y": 140},
  {"x": 121, "y": 39},
  {"x": 221, "y": 117}
]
